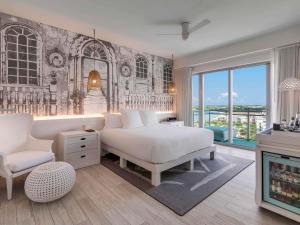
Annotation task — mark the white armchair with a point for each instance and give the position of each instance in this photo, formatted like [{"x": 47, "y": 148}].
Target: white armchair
[{"x": 20, "y": 153}]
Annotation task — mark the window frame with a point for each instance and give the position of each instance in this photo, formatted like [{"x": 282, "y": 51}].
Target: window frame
[
  {"x": 22, "y": 53},
  {"x": 142, "y": 67},
  {"x": 167, "y": 77}
]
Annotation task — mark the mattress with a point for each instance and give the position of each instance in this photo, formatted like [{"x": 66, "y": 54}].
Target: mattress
[{"x": 157, "y": 144}]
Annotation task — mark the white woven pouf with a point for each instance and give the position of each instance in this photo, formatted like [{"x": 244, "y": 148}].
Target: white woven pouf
[{"x": 50, "y": 181}]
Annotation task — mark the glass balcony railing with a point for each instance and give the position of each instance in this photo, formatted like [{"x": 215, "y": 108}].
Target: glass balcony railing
[{"x": 246, "y": 124}]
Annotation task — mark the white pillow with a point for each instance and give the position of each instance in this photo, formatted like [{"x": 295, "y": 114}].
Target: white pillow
[
  {"x": 112, "y": 120},
  {"x": 149, "y": 118},
  {"x": 131, "y": 119}
]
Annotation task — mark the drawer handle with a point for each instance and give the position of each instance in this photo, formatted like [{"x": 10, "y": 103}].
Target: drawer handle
[
  {"x": 82, "y": 139},
  {"x": 285, "y": 157},
  {"x": 82, "y": 146},
  {"x": 83, "y": 156}
]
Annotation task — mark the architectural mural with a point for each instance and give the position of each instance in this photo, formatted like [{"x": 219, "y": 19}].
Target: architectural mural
[{"x": 44, "y": 70}]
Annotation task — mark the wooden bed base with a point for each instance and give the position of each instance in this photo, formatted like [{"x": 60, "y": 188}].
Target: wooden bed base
[{"x": 157, "y": 168}]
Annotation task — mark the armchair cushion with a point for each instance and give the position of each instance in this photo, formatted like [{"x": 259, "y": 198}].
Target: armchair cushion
[{"x": 26, "y": 159}]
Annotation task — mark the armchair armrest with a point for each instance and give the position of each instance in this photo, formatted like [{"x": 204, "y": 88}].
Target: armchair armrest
[
  {"x": 35, "y": 144},
  {"x": 4, "y": 171}
]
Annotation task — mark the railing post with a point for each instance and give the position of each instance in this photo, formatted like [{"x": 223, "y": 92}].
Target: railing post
[
  {"x": 248, "y": 125},
  {"x": 209, "y": 118}
]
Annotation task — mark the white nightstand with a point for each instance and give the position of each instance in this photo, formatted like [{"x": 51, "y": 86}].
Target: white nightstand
[
  {"x": 176, "y": 123},
  {"x": 79, "y": 148}
]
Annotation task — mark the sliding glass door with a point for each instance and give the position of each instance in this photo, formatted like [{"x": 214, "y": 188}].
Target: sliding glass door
[
  {"x": 249, "y": 104},
  {"x": 215, "y": 103},
  {"x": 232, "y": 103}
]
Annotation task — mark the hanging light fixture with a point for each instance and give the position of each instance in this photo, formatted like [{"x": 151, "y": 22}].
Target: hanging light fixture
[
  {"x": 171, "y": 85},
  {"x": 94, "y": 78}
]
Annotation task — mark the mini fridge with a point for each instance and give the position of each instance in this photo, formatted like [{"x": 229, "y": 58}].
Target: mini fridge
[{"x": 281, "y": 181}]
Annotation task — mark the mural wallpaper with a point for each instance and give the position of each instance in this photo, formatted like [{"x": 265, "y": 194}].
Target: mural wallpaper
[{"x": 45, "y": 71}]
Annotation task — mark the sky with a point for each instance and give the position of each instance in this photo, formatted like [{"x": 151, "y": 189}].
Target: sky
[{"x": 249, "y": 87}]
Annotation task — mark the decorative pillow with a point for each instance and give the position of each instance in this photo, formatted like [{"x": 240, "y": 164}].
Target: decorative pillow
[
  {"x": 112, "y": 120},
  {"x": 149, "y": 118},
  {"x": 131, "y": 119}
]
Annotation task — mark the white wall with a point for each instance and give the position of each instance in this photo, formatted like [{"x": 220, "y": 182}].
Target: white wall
[{"x": 252, "y": 45}]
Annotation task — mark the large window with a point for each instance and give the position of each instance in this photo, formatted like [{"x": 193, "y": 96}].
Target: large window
[
  {"x": 22, "y": 56},
  {"x": 232, "y": 103},
  {"x": 167, "y": 77},
  {"x": 141, "y": 67}
]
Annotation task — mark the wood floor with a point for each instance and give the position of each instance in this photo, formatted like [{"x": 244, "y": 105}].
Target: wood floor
[{"x": 101, "y": 197}]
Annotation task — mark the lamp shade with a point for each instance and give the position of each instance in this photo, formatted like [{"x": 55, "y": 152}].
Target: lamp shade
[
  {"x": 290, "y": 84},
  {"x": 171, "y": 88},
  {"x": 94, "y": 80}
]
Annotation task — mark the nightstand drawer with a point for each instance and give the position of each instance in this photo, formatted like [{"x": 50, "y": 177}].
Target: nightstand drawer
[
  {"x": 80, "y": 146},
  {"x": 83, "y": 159},
  {"x": 84, "y": 139}
]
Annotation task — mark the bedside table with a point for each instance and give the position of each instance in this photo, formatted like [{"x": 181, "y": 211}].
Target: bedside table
[
  {"x": 176, "y": 123},
  {"x": 79, "y": 148}
]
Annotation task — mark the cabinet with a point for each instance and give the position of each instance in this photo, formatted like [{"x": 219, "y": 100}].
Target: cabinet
[{"x": 79, "y": 148}]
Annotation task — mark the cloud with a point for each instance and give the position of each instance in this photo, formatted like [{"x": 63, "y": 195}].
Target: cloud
[{"x": 225, "y": 94}]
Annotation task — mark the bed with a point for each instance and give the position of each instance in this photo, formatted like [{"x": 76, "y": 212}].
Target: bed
[{"x": 158, "y": 148}]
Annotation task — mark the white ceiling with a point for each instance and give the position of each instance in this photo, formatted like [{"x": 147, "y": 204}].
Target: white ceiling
[{"x": 135, "y": 23}]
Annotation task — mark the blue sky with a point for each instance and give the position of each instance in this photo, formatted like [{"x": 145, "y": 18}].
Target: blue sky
[{"x": 249, "y": 87}]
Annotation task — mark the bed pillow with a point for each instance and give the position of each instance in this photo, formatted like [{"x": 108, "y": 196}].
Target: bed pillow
[
  {"x": 131, "y": 119},
  {"x": 112, "y": 120},
  {"x": 149, "y": 118}
]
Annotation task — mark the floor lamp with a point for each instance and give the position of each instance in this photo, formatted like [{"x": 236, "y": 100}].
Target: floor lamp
[{"x": 290, "y": 85}]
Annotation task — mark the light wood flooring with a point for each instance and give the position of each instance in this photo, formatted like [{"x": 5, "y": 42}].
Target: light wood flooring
[{"x": 101, "y": 197}]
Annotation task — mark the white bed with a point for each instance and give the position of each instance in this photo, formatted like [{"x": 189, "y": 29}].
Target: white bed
[{"x": 158, "y": 148}]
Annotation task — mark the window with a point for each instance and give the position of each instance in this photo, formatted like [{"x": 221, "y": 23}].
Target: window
[
  {"x": 167, "y": 78},
  {"x": 141, "y": 67},
  {"x": 95, "y": 50},
  {"x": 233, "y": 103},
  {"x": 22, "y": 59}
]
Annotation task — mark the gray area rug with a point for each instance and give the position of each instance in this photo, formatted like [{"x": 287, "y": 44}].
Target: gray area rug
[{"x": 181, "y": 189}]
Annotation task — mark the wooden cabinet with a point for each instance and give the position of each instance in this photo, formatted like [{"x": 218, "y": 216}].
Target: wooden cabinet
[{"x": 79, "y": 148}]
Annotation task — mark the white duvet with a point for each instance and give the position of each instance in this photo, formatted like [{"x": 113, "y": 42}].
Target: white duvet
[{"x": 157, "y": 144}]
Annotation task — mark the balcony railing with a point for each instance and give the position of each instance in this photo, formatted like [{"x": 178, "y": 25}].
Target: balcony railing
[{"x": 245, "y": 123}]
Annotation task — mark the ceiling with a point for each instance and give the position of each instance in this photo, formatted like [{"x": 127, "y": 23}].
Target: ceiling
[{"x": 136, "y": 23}]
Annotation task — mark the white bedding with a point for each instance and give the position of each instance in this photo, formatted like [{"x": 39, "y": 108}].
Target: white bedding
[{"x": 157, "y": 144}]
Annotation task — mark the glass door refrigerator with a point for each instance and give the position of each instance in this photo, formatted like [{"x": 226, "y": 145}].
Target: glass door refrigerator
[{"x": 281, "y": 181}]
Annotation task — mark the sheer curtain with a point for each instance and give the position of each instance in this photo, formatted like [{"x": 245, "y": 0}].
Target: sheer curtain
[
  {"x": 183, "y": 81},
  {"x": 288, "y": 66}
]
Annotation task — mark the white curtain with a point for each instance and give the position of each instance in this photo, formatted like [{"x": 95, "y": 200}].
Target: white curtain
[
  {"x": 183, "y": 82},
  {"x": 288, "y": 66}
]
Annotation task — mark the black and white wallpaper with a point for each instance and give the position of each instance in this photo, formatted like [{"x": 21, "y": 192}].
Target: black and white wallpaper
[{"x": 44, "y": 71}]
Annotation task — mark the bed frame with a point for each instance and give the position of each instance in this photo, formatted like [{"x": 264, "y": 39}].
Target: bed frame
[{"x": 157, "y": 168}]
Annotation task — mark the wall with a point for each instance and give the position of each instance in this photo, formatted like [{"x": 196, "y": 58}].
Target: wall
[
  {"x": 251, "y": 45},
  {"x": 45, "y": 72}
]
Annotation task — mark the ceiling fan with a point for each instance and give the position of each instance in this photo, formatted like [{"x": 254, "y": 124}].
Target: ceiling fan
[{"x": 186, "y": 30}]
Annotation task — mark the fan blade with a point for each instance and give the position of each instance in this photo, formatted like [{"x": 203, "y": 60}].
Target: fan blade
[{"x": 199, "y": 25}]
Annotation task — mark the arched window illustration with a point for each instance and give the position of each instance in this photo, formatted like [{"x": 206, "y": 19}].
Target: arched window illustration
[
  {"x": 95, "y": 51},
  {"x": 167, "y": 78},
  {"x": 141, "y": 67},
  {"x": 22, "y": 53}
]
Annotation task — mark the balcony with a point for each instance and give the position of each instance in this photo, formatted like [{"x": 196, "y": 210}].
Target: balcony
[{"x": 246, "y": 124}]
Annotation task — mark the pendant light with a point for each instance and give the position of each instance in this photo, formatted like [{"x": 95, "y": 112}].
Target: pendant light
[
  {"x": 94, "y": 78},
  {"x": 171, "y": 86}
]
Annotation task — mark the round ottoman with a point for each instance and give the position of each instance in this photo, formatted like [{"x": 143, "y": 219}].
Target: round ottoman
[{"x": 50, "y": 181}]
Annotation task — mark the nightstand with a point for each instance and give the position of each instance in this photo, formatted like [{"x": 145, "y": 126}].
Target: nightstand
[
  {"x": 79, "y": 148},
  {"x": 176, "y": 123}
]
